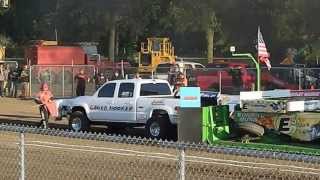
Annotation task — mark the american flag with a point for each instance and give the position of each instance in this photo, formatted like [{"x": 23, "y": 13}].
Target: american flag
[{"x": 263, "y": 54}]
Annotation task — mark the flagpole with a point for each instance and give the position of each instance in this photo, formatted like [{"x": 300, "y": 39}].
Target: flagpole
[{"x": 258, "y": 66}]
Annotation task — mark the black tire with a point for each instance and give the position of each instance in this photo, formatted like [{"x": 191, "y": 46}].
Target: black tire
[
  {"x": 161, "y": 124},
  {"x": 78, "y": 121},
  {"x": 252, "y": 128}
]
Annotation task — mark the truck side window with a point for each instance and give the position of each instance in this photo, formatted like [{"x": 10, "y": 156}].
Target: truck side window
[
  {"x": 152, "y": 89},
  {"x": 126, "y": 90},
  {"x": 107, "y": 90}
]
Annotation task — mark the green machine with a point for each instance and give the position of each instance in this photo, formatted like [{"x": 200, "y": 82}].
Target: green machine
[{"x": 215, "y": 123}]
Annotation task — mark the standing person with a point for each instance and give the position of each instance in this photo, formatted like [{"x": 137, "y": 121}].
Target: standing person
[
  {"x": 137, "y": 76},
  {"x": 81, "y": 79},
  {"x": 45, "y": 96},
  {"x": 116, "y": 76},
  {"x": 172, "y": 74},
  {"x": 44, "y": 76},
  {"x": 6, "y": 85},
  {"x": 14, "y": 82},
  {"x": 1, "y": 80},
  {"x": 180, "y": 82},
  {"x": 24, "y": 78},
  {"x": 100, "y": 80}
]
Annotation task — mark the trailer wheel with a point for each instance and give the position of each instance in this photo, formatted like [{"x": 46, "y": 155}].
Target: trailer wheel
[
  {"x": 157, "y": 128},
  {"x": 78, "y": 121}
]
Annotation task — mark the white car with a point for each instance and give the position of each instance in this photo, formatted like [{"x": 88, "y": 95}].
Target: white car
[
  {"x": 163, "y": 69},
  {"x": 189, "y": 65},
  {"x": 132, "y": 102}
]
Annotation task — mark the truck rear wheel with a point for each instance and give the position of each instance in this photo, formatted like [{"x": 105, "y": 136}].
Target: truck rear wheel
[
  {"x": 78, "y": 121},
  {"x": 157, "y": 128}
]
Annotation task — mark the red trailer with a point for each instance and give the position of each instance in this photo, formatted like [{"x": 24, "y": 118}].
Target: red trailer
[
  {"x": 49, "y": 53},
  {"x": 55, "y": 55}
]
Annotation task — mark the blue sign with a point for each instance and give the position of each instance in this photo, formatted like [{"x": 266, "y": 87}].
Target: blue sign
[{"x": 190, "y": 97}]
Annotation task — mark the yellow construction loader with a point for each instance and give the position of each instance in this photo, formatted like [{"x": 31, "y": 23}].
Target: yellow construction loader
[{"x": 155, "y": 52}]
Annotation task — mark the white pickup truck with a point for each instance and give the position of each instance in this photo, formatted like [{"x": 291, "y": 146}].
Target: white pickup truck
[{"x": 132, "y": 102}]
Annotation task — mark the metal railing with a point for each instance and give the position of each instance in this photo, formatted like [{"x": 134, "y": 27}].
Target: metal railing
[
  {"x": 61, "y": 79},
  {"x": 33, "y": 153},
  {"x": 227, "y": 80}
]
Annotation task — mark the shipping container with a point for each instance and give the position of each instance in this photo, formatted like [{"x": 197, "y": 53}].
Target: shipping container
[{"x": 55, "y": 55}]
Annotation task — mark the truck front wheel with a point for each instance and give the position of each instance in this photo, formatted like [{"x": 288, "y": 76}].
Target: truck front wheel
[
  {"x": 78, "y": 121},
  {"x": 157, "y": 128}
]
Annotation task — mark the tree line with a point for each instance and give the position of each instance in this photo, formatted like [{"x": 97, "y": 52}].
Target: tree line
[{"x": 198, "y": 28}]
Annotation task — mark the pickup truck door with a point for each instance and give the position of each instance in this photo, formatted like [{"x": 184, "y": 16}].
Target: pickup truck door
[
  {"x": 100, "y": 107},
  {"x": 125, "y": 103}
]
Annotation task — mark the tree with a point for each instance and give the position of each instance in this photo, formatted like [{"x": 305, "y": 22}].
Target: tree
[{"x": 198, "y": 16}]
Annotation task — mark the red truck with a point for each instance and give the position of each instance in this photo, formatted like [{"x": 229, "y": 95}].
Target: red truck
[{"x": 235, "y": 77}]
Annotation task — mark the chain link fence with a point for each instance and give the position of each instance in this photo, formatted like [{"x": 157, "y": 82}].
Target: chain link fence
[
  {"x": 61, "y": 79},
  {"x": 33, "y": 153},
  {"x": 233, "y": 80}
]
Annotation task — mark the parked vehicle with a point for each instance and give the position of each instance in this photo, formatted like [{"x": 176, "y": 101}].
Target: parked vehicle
[
  {"x": 183, "y": 66},
  {"x": 154, "y": 52},
  {"x": 122, "y": 103},
  {"x": 50, "y": 53},
  {"x": 236, "y": 76}
]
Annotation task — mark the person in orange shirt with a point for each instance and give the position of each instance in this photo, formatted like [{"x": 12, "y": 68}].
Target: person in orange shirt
[
  {"x": 180, "y": 82},
  {"x": 46, "y": 98}
]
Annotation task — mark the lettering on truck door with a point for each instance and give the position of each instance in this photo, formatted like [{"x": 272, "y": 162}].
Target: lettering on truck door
[
  {"x": 125, "y": 105},
  {"x": 100, "y": 108}
]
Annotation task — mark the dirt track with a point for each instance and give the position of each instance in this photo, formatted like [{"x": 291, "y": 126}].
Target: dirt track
[
  {"x": 26, "y": 112},
  {"x": 49, "y": 157}
]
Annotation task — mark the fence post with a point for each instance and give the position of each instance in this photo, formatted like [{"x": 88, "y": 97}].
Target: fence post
[
  {"x": 220, "y": 82},
  {"x": 182, "y": 167},
  {"x": 22, "y": 156},
  {"x": 63, "y": 81},
  {"x": 30, "y": 81},
  {"x": 50, "y": 70},
  {"x": 300, "y": 87}
]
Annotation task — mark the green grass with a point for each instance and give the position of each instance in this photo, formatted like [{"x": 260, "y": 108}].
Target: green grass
[{"x": 277, "y": 143}]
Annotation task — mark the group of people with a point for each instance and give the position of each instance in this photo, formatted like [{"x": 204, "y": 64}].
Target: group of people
[
  {"x": 176, "y": 78},
  {"x": 100, "y": 78},
  {"x": 12, "y": 79}
]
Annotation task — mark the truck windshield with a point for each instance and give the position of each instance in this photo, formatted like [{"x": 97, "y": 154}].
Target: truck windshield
[{"x": 152, "y": 89}]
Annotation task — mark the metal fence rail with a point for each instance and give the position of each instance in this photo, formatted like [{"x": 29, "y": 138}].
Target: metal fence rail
[
  {"x": 61, "y": 79},
  {"x": 33, "y": 153}
]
